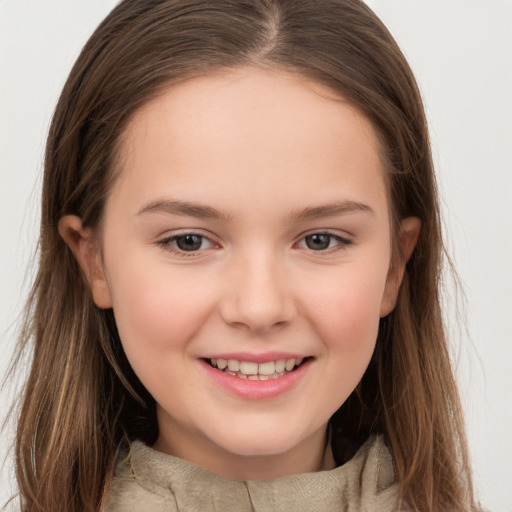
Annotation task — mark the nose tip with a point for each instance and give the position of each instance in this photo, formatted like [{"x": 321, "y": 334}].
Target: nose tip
[
  {"x": 258, "y": 300},
  {"x": 258, "y": 316}
]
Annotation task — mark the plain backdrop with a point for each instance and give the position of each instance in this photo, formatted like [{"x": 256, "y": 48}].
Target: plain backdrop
[{"x": 461, "y": 52}]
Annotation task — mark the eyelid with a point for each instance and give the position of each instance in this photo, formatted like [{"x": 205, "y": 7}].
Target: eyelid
[
  {"x": 166, "y": 242},
  {"x": 344, "y": 240}
]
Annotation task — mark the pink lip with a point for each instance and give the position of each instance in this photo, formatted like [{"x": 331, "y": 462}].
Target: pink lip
[
  {"x": 256, "y": 358},
  {"x": 256, "y": 389}
]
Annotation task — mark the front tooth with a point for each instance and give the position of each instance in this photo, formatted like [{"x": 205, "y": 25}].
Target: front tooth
[
  {"x": 221, "y": 364},
  {"x": 280, "y": 365},
  {"x": 264, "y": 377},
  {"x": 290, "y": 364},
  {"x": 248, "y": 368},
  {"x": 267, "y": 368},
  {"x": 253, "y": 377},
  {"x": 234, "y": 365}
]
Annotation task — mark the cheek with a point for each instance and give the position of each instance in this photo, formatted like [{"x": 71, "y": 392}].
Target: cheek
[
  {"x": 343, "y": 313},
  {"x": 156, "y": 313},
  {"x": 348, "y": 302},
  {"x": 346, "y": 316}
]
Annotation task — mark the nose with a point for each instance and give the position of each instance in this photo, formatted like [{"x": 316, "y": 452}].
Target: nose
[{"x": 257, "y": 295}]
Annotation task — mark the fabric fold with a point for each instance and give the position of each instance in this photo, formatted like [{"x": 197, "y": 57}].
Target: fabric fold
[{"x": 148, "y": 480}]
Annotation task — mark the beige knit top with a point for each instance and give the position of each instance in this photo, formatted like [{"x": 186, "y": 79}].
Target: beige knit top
[{"x": 151, "y": 481}]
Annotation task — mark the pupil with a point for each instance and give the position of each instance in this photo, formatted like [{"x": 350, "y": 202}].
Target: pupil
[
  {"x": 189, "y": 242},
  {"x": 318, "y": 242}
]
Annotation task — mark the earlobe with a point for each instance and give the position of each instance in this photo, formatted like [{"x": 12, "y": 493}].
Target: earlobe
[
  {"x": 409, "y": 232},
  {"x": 86, "y": 252}
]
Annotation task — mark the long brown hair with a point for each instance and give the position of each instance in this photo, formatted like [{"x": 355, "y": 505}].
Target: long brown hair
[{"x": 82, "y": 399}]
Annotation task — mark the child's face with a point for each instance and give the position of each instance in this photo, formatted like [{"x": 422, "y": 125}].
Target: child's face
[{"x": 249, "y": 223}]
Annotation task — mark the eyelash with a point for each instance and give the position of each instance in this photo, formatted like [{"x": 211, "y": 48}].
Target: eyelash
[
  {"x": 342, "y": 242},
  {"x": 167, "y": 243}
]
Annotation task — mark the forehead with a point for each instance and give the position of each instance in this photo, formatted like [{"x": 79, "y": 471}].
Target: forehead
[{"x": 246, "y": 130}]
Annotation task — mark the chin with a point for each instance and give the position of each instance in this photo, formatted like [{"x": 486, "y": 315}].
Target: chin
[{"x": 261, "y": 444}]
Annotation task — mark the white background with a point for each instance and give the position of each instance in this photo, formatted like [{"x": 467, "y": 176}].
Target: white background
[{"x": 461, "y": 52}]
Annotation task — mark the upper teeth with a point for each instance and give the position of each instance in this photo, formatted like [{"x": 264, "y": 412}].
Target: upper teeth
[{"x": 250, "y": 368}]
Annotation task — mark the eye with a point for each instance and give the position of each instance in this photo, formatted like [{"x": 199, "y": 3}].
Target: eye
[
  {"x": 189, "y": 243},
  {"x": 186, "y": 243},
  {"x": 323, "y": 242}
]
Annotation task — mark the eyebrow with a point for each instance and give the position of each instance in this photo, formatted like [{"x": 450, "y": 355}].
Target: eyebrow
[
  {"x": 330, "y": 210},
  {"x": 198, "y": 210},
  {"x": 185, "y": 208}
]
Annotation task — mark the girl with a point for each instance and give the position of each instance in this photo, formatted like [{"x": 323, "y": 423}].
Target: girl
[{"x": 237, "y": 302}]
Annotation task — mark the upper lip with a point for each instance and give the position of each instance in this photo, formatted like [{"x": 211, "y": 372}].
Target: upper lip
[{"x": 256, "y": 358}]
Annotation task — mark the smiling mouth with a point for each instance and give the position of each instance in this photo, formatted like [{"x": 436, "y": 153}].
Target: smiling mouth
[{"x": 257, "y": 371}]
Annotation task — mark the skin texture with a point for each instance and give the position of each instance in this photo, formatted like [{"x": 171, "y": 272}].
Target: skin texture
[{"x": 258, "y": 147}]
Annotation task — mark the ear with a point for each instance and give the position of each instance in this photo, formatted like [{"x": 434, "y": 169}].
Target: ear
[
  {"x": 408, "y": 234},
  {"x": 87, "y": 253}
]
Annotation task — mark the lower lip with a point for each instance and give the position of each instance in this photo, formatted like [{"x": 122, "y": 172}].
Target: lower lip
[{"x": 257, "y": 389}]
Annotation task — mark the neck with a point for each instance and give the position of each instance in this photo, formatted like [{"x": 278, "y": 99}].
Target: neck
[{"x": 312, "y": 454}]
